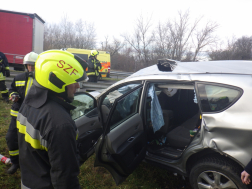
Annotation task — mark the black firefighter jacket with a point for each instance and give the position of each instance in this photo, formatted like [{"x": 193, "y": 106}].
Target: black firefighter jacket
[
  {"x": 47, "y": 136},
  {"x": 20, "y": 86},
  {"x": 4, "y": 67},
  {"x": 94, "y": 66}
]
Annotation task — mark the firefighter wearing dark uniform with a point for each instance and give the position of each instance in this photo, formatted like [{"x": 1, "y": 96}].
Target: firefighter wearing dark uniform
[
  {"x": 94, "y": 66},
  {"x": 47, "y": 135},
  {"x": 18, "y": 90},
  {"x": 4, "y": 71}
]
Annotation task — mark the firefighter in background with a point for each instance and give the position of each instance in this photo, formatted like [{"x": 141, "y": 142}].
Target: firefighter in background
[
  {"x": 18, "y": 90},
  {"x": 47, "y": 135},
  {"x": 94, "y": 66},
  {"x": 4, "y": 71}
]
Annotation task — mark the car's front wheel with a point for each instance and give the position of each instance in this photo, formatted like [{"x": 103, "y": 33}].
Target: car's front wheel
[{"x": 215, "y": 173}]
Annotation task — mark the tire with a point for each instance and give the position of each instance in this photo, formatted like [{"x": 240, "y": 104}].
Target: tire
[{"x": 216, "y": 172}]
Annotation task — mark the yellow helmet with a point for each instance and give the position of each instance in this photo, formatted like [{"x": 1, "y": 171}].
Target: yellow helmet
[
  {"x": 94, "y": 52},
  {"x": 55, "y": 69}
]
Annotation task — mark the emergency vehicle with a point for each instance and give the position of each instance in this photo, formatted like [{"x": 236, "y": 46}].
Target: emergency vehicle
[{"x": 103, "y": 57}]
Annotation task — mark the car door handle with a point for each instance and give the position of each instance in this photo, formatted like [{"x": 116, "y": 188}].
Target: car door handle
[{"x": 131, "y": 139}]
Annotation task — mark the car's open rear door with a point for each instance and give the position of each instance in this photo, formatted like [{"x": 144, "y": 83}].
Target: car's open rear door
[{"x": 122, "y": 146}]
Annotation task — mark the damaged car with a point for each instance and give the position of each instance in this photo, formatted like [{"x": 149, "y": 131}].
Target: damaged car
[{"x": 192, "y": 118}]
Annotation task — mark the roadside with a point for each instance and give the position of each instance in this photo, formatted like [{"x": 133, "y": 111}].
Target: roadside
[{"x": 145, "y": 176}]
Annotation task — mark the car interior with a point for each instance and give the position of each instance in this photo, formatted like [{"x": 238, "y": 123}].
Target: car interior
[{"x": 180, "y": 114}]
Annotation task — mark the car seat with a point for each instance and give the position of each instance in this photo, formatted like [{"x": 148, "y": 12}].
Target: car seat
[{"x": 180, "y": 136}]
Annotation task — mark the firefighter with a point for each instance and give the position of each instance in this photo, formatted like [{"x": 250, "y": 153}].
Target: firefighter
[
  {"x": 47, "y": 135},
  {"x": 94, "y": 66},
  {"x": 18, "y": 90},
  {"x": 4, "y": 71}
]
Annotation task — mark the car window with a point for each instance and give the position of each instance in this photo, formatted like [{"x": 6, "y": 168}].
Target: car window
[
  {"x": 215, "y": 98},
  {"x": 125, "y": 108},
  {"x": 83, "y": 104},
  {"x": 109, "y": 99}
]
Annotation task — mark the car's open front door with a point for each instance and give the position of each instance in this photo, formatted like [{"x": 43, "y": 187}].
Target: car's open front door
[
  {"x": 86, "y": 119},
  {"x": 123, "y": 144}
]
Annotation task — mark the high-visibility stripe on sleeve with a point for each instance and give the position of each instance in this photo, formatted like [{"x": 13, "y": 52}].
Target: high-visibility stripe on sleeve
[
  {"x": 2, "y": 77},
  {"x": 13, "y": 113},
  {"x": 13, "y": 93},
  {"x": 32, "y": 136},
  {"x": 14, "y": 153},
  {"x": 5, "y": 91},
  {"x": 7, "y": 68},
  {"x": 29, "y": 84},
  {"x": 20, "y": 83},
  {"x": 77, "y": 134},
  {"x": 91, "y": 73}
]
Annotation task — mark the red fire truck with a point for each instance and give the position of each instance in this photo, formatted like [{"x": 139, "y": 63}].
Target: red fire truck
[{"x": 20, "y": 34}]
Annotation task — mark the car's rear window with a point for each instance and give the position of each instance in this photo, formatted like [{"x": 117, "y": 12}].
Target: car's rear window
[{"x": 216, "y": 98}]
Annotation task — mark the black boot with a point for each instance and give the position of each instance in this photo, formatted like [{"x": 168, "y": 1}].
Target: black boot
[{"x": 13, "y": 169}]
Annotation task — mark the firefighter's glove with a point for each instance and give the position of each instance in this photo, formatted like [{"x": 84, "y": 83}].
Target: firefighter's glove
[
  {"x": 98, "y": 64},
  {"x": 14, "y": 98},
  {"x": 7, "y": 73}
]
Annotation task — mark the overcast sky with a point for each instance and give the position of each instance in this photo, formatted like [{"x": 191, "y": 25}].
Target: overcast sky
[{"x": 114, "y": 17}]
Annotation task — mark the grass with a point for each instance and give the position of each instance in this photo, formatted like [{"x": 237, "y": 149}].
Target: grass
[{"x": 145, "y": 176}]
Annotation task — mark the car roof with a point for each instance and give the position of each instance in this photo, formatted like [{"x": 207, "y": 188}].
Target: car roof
[{"x": 226, "y": 66}]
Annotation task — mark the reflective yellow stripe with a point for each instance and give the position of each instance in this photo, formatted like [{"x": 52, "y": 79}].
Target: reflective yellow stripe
[
  {"x": 20, "y": 83},
  {"x": 29, "y": 84},
  {"x": 77, "y": 134},
  {"x": 5, "y": 91},
  {"x": 12, "y": 93},
  {"x": 7, "y": 68},
  {"x": 2, "y": 77},
  {"x": 91, "y": 73},
  {"x": 35, "y": 143},
  {"x": 13, "y": 113},
  {"x": 14, "y": 153}
]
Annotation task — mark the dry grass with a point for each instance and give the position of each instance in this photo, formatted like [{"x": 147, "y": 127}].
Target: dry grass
[{"x": 145, "y": 176}]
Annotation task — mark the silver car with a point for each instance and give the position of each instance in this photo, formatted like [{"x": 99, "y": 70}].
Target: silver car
[{"x": 193, "y": 118}]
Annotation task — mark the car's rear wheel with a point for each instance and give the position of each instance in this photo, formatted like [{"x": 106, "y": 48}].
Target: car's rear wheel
[{"x": 215, "y": 173}]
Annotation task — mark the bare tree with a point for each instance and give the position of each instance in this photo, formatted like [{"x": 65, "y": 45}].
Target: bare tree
[
  {"x": 67, "y": 29},
  {"x": 85, "y": 35},
  {"x": 163, "y": 43},
  {"x": 243, "y": 48},
  {"x": 68, "y": 34},
  {"x": 205, "y": 37},
  {"x": 236, "y": 49},
  {"x": 181, "y": 31},
  {"x": 141, "y": 39},
  {"x": 113, "y": 47}
]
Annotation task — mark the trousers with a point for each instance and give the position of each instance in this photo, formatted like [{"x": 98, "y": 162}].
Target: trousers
[{"x": 12, "y": 141}]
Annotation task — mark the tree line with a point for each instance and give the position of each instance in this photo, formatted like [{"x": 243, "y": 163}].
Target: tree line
[{"x": 180, "y": 38}]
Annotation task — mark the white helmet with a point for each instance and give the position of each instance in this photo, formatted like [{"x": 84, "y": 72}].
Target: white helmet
[{"x": 30, "y": 58}]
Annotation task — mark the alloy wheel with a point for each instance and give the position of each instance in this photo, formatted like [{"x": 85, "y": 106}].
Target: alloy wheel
[{"x": 214, "y": 180}]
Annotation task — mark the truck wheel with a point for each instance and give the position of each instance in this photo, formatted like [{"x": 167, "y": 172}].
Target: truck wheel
[{"x": 216, "y": 172}]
